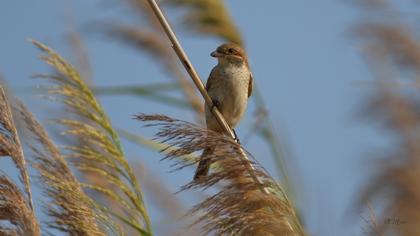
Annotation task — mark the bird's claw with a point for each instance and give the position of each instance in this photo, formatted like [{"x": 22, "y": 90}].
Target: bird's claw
[
  {"x": 236, "y": 137},
  {"x": 216, "y": 103}
]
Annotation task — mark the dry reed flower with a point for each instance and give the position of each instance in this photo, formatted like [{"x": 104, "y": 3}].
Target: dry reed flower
[
  {"x": 10, "y": 143},
  {"x": 394, "y": 52},
  {"x": 239, "y": 207},
  {"x": 70, "y": 208},
  {"x": 79, "y": 52},
  {"x": 102, "y": 153},
  {"x": 209, "y": 17},
  {"x": 395, "y": 41},
  {"x": 372, "y": 225},
  {"x": 15, "y": 210},
  {"x": 146, "y": 41},
  {"x": 397, "y": 182}
]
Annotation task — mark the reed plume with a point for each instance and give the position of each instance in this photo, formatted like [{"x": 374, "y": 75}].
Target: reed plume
[
  {"x": 82, "y": 65},
  {"x": 397, "y": 181},
  {"x": 209, "y": 17},
  {"x": 393, "y": 52},
  {"x": 239, "y": 207},
  {"x": 72, "y": 211},
  {"x": 103, "y": 153},
  {"x": 10, "y": 143},
  {"x": 15, "y": 210}
]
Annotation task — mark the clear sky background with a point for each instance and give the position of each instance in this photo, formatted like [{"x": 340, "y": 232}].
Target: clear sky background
[{"x": 304, "y": 58}]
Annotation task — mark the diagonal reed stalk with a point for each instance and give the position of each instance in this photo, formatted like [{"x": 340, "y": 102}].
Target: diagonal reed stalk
[
  {"x": 212, "y": 17},
  {"x": 204, "y": 17},
  {"x": 196, "y": 79}
]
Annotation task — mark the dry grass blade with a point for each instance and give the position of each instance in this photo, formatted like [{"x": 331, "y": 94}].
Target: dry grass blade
[
  {"x": 239, "y": 207},
  {"x": 70, "y": 208},
  {"x": 210, "y": 17},
  {"x": 10, "y": 144},
  {"x": 102, "y": 153},
  {"x": 15, "y": 210}
]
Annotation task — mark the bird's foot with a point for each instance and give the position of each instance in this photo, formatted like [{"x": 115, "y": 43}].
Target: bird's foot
[
  {"x": 236, "y": 137},
  {"x": 216, "y": 103}
]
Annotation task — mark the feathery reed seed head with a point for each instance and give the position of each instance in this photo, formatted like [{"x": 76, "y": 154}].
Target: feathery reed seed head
[
  {"x": 15, "y": 209},
  {"x": 239, "y": 207}
]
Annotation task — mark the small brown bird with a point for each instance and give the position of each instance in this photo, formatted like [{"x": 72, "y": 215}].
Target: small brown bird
[{"x": 229, "y": 85}]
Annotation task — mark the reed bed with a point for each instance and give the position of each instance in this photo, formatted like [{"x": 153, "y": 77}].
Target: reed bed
[{"x": 90, "y": 188}]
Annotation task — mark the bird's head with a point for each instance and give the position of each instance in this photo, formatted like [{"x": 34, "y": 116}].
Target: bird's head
[{"x": 230, "y": 53}]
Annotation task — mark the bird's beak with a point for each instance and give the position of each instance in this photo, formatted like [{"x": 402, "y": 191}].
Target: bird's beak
[{"x": 215, "y": 54}]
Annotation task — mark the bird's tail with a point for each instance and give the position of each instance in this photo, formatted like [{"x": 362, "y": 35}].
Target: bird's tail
[{"x": 204, "y": 164}]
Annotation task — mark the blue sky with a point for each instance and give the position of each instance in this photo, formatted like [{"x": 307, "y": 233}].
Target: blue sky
[{"x": 303, "y": 57}]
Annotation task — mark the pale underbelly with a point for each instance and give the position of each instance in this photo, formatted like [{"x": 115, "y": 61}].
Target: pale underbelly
[{"x": 233, "y": 102}]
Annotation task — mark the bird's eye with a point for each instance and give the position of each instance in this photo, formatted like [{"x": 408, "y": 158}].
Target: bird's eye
[{"x": 231, "y": 50}]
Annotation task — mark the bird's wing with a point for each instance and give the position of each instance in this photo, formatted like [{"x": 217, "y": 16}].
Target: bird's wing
[
  {"x": 208, "y": 83},
  {"x": 213, "y": 80},
  {"x": 250, "y": 84}
]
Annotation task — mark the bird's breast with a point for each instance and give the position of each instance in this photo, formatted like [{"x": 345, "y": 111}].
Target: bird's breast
[{"x": 232, "y": 92}]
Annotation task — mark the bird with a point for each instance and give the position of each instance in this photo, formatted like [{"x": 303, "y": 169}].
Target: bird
[{"x": 229, "y": 86}]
